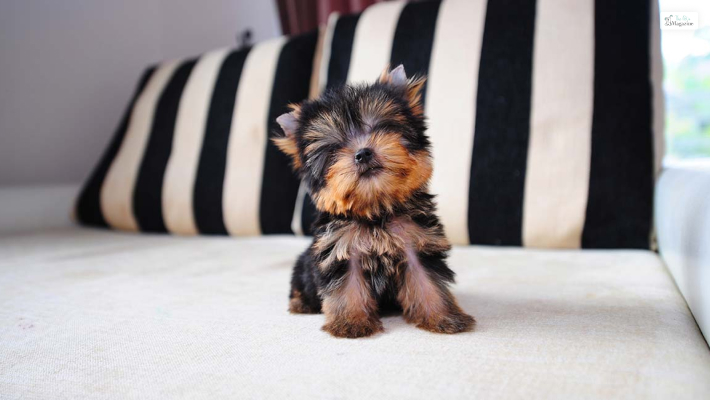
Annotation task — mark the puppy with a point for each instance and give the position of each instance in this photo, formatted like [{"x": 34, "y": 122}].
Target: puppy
[{"x": 363, "y": 154}]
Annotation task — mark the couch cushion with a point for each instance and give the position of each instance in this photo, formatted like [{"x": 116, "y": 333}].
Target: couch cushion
[
  {"x": 193, "y": 155},
  {"x": 541, "y": 137},
  {"x": 99, "y": 314},
  {"x": 683, "y": 221}
]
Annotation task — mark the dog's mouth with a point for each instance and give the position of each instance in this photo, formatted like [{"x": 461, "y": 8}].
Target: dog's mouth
[{"x": 371, "y": 171}]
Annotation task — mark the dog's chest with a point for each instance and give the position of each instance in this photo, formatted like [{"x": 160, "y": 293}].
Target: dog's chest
[{"x": 377, "y": 247}]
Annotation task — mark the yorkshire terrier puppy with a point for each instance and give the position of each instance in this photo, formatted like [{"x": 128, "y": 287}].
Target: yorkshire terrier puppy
[{"x": 364, "y": 156}]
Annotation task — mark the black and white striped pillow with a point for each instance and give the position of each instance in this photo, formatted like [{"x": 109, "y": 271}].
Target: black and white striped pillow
[
  {"x": 545, "y": 116},
  {"x": 193, "y": 155}
]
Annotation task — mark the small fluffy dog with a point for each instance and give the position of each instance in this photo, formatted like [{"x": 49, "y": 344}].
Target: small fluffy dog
[{"x": 364, "y": 157}]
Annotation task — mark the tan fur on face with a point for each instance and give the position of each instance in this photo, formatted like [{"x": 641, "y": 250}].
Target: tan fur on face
[
  {"x": 413, "y": 90},
  {"x": 347, "y": 193},
  {"x": 414, "y": 95},
  {"x": 327, "y": 125},
  {"x": 377, "y": 109}
]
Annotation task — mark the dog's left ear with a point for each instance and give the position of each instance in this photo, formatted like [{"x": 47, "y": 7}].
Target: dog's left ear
[
  {"x": 412, "y": 86},
  {"x": 287, "y": 143}
]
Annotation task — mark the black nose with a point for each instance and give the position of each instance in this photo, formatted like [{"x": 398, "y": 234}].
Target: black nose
[{"x": 363, "y": 156}]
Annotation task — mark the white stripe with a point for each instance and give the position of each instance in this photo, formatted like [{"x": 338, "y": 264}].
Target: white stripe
[
  {"x": 179, "y": 182},
  {"x": 247, "y": 140},
  {"x": 297, "y": 221},
  {"x": 325, "y": 51},
  {"x": 559, "y": 148},
  {"x": 372, "y": 46},
  {"x": 451, "y": 108},
  {"x": 119, "y": 185}
]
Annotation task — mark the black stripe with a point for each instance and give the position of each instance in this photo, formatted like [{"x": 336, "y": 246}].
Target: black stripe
[
  {"x": 291, "y": 85},
  {"x": 620, "y": 203},
  {"x": 341, "y": 50},
  {"x": 88, "y": 207},
  {"x": 147, "y": 195},
  {"x": 308, "y": 215},
  {"x": 414, "y": 38},
  {"x": 209, "y": 182},
  {"x": 502, "y": 128}
]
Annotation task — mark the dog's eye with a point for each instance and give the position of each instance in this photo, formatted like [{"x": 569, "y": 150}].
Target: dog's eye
[{"x": 319, "y": 161}]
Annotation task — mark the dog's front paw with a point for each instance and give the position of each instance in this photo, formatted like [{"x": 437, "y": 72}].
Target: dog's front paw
[
  {"x": 451, "y": 322},
  {"x": 353, "y": 329}
]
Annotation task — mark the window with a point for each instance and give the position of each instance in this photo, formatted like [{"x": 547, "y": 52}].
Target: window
[{"x": 686, "y": 59}]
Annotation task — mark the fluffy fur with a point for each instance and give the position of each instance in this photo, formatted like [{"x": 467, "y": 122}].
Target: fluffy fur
[{"x": 378, "y": 243}]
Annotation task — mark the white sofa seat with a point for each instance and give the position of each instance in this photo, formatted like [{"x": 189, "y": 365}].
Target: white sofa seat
[{"x": 97, "y": 314}]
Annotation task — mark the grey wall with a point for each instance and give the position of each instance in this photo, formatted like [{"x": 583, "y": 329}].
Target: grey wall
[{"x": 68, "y": 68}]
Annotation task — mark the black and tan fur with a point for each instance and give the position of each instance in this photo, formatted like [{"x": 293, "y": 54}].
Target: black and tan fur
[{"x": 378, "y": 243}]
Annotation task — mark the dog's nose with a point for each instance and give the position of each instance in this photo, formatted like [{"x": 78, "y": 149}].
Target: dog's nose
[{"x": 363, "y": 156}]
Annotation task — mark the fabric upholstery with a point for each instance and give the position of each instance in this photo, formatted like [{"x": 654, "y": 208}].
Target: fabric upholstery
[
  {"x": 88, "y": 313},
  {"x": 541, "y": 137},
  {"x": 683, "y": 218},
  {"x": 192, "y": 153}
]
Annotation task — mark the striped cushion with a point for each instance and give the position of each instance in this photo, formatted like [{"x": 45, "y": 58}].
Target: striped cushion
[
  {"x": 192, "y": 153},
  {"x": 541, "y": 115}
]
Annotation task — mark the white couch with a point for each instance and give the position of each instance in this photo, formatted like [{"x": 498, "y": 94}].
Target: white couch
[{"x": 88, "y": 313}]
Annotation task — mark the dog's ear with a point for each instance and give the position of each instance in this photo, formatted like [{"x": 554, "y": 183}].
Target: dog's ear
[
  {"x": 396, "y": 77},
  {"x": 287, "y": 143},
  {"x": 412, "y": 86}
]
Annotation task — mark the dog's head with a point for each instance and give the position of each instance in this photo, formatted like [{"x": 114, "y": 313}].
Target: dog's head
[{"x": 361, "y": 150}]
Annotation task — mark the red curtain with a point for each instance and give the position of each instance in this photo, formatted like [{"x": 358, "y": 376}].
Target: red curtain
[{"x": 298, "y": 16}]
